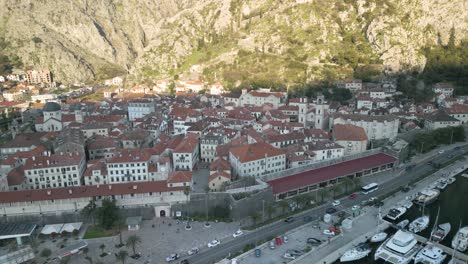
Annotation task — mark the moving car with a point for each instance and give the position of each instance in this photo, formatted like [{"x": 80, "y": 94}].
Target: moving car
[
  {"x": 213, "y": 243},
  {"x": 330, "y": 210},
  {"x": 314, "y": 241},
  {"x": 289, "y": 219},
  {"x": 172, "y": 257},
  {"x": 193, "y": 251},
  {"x": 238, "y": 233},
  {"x": 308, "y": 218},
  {"x": 353, "y": 196},
  {"x": 336, "y": 203},
  {"x": 271, "y": 245},
  {"x": 285, "y": 239},
  {"x": 441, "y": 151},
  {"x": 355, "y": 207}
]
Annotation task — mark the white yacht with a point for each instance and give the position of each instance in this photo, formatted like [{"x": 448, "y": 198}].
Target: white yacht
[
  {"x": 403, "y": 224},
  {"x": 419, "y": 224},
  {"x": 450, "y": 180},
  {"x": 460, "y": 241},
  {"x": 441, "y": 184},
  {"x": 379, "y": 237},
  {"x": 426, "y": 196},
  {"x": 395, "y": 213},
  {"x": 398, "y": 249},
  {"x": 441, "y": 232},
  {"x": 407, "y": 204},
  {"x": 430, "y": 254},
  {"x": 359, "y": 252}
]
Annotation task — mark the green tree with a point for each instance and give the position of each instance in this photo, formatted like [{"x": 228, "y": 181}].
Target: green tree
[
  {"x": 122, "y": 256},
  {"x": 133, "y": 241},
  {"x": 323, "y": 193},
  {"x": 107, "y": 214},
  {"x": 284, "y": 205},
  {"x": 347, "y": 182},
  {"x": 255, "y": 217},
  {"x": 45, "y": 253},
  {"x": 335, "y": 188},
  {"x": 270, "y": 210},
  {"x": 89, "y": 211},
  {"x": 357, "y": 182},
  {"x": 172, "y": 89}
]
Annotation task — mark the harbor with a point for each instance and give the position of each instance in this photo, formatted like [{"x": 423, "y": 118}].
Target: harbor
[{"x": 443, "y": 208}]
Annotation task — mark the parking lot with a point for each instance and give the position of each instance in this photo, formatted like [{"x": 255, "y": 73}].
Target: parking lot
[{"x": 297, "y": 240}]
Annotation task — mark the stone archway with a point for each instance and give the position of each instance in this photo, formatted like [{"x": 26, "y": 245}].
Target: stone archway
[
  {"x": 162, "y": 210},
  {"x": 162, "y": 213}
]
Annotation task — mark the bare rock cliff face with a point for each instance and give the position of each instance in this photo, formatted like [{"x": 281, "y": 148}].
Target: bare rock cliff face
[{"x": 85, "y": 40}]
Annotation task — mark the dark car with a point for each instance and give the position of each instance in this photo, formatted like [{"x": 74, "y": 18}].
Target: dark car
[
  {"x": 314, "y": 241},
  {"x": 330, "y": 210},
  {"x": 450, "y": 156},
  {"x": 308, "y": 218},
  {"x": 258, "y": 252},
  {"x": 406, "y": 189},
  {"x": 294, "y": 252},
  {"x": 341, "y": 213},
  {"x": 289, "y": 219},
  {"x": 378, "y": 203},
  {"x": 185, "y": 261},
  {"x": 457, "y": 147}
]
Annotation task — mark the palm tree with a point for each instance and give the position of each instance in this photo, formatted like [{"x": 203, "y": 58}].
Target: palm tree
[
  {"x": 284, "y": 205},
  {"x": 122, "y": 256},
  {"x": 102, "y": 247},
  {"x": 120, "y": 225},
  {"x": 348, "y": 182},
  {"x": 357, "y": 182},
  {"x": 255, "y": 216},
  {"x": 187, "y": 193},
  {"x": 323, "y": 193},
  {"x": 89, "y": 211},
  {"x": 270, "y": 210},
  {"x": 132, "y": 241},
  {"x": 334, "y": 189}
]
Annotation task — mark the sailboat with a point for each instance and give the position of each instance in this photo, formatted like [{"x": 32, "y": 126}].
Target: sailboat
[
  {"x": 454, "y": 259},
  {"x": 360, "y": 251},
  {"x": 431, "y": 254},
  {"x": 439, "y": 232},
  {"x": 380, "y": 236}
]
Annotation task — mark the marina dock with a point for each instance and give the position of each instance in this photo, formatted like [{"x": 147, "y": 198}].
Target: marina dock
[{"x": 446, "y": 249}]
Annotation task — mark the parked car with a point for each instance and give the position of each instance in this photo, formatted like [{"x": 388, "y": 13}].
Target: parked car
[
  {"x": 172, "y": 257},
  {"x": 378, "y": 204},
  {"x": 353, "y": 196},
  {"x": 258, "y": 252},
  {"x": 355, "y": 207},
  {"x": 328, "y": 232},
  {"x": 185, "y": 261},
  {"x": 271, "y": 245},
  {"x": 213, "y": 243},
  {"x": 336, "y": 203},
  {"x": 289, "y": 256},
  {"x": 308, "y": 218},
  {"x": 294, "y": 252},
  {"x": 457, "y": 147},
  {"x": 330, "y": 210},
  {"x": 372, "y": 199},
  {"x": 313, "y": 241},
  {"x": 441, "y": 151},
  {"x": 289, "y": 219},
  {"x": 285, "y": 239},
  {"x": 341, "y": 213},
  {"x": 450, "y": 156},
  {"x": 193, "y": 251},
  {"x": 238, "y": 233}
]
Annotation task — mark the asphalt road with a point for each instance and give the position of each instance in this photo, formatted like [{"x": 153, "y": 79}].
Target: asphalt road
[{"x": 224, "y": 249}]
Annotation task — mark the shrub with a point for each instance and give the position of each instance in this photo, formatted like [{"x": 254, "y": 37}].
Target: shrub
[{"x": 46, "y": 253}]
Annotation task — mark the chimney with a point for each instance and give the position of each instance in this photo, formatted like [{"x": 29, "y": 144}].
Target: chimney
[
  {"x": 33, "y": 157},
  {"x": 135, "y": 187},
  {"x": 49, "y": 192},
  {"x": 110, "y": 187},
  {"x": 70, "y": 191},
  {"x": 48, "y": 163}
]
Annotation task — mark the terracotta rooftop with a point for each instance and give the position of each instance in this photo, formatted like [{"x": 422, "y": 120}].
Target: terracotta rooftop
[
  {"x": 54, "y": 160},
  {"x": 179, "y": 176},
  {"x": 129, "y": 155},
  {"x": 349, "y": 133},
  {"x": 15, "y": 177},
  {"x": 327, "y": 173},
  {"x": 217, "y": 174},
  {"x": 220, "y": 164},
  {"x": 457, "y": 109},
  {"x": 256, "y": 151},
  {"x": 187, "y": 145},
  {"x": 86, "y": 191}
]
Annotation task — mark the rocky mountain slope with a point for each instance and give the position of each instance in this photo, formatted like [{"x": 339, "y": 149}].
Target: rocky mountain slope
[{"x": 280, "y": 40}]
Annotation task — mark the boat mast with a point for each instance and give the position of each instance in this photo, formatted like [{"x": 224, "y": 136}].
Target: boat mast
[
  {"x": 456, "y": 245},
  {"x": 435, "y": 224}
]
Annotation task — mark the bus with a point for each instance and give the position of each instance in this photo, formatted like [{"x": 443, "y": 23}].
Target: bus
[{"x": 369, "y": 188}]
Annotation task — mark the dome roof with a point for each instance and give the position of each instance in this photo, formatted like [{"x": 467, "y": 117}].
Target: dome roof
[{"x": 51, "y": 107}]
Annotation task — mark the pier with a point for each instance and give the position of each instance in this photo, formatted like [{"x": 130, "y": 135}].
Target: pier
[{"x": 446, "y": 249}]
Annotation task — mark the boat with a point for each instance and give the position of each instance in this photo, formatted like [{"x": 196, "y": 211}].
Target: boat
[
  {"x": 426, "y": 196},
  {"x": 402, "y": 224},
  {"x": 395, "y": 213},
  {"x": 455, "y": 260},
  {"x": 441, "y": 184},
  {"x": 400, "y": 248},
  {"x": 460, "y": 241},
  {"x": 430, "y": 254},
  {"x": 379, "y": 237},
  {"x": 361, "y": 251},
  {"x": 407, "y": 204},
  {"x": 450, "y": 180},
  {"x": 441, "y": 232},
  {"x": 419, "y": 224}
]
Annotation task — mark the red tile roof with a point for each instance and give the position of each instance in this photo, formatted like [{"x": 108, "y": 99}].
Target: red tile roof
[
  {"x": 219, "y": 174},
  {"x": 187, "y": 145},
  {"x": 86, "y": 191},
  {"x": 457, "y": 109},
  {"x": 15, "y": 177},
  {"x": 179, "y": 176},
  {"x": 349, "y": 133},
  {"x": 54, "y": 160},
  {"x": 255, "y": 151},
  {"x": 315, "y": 176},
  {"x": 220, "y": 164},
  {"x": 129, "y": 155}
]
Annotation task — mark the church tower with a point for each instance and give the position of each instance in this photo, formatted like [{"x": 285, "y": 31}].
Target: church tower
[{"x": 320, "y": 112}]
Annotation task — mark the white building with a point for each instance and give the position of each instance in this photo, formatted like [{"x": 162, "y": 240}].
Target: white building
[
  {"x": 263, "y": 96},
  {"x": 377, "y": 93},
  {"x": 325, "y": 150},
  {"x": 128, "y": 166},
  {"x": 43, "y": 98},
  {"x": 208, "y": 144},
  {"x": 440, "y": 119},
  {"x": 459, "y": 111},
  {"x": 352, "y": 138},
  {"x": 55, "y": 171},
  {"x": 11, "y": 96},
  {"x": 139, "y": 109},
  {"x": 256, "y": 159},
  {"x": 364, "y": 102},
  {"x": 352, "y": 85},
  {"x": 443, "y": 88},
  {"x": 376, "y": 127},
  {"x": 186, "y": 154},
  {"x": 303, "y": 104}
]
